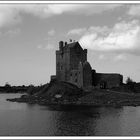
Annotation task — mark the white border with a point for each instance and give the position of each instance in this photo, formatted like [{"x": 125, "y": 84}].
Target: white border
[
  {"x": 71, "y": 2},
  {"x": 70, "y": 137}
]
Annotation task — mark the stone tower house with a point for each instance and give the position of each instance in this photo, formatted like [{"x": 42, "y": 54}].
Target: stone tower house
[{"x": 72, "y": 65}]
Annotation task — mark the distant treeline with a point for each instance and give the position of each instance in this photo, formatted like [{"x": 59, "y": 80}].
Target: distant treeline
[
  {"x": 130, "y": 87},
  {"x": 17, "y": 89}
]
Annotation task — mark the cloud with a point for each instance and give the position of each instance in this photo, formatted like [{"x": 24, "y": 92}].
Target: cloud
[
  {"x": 113, "y": 57},
  {"x": 120, "y": 57},
  {"x": 10, "y": 32},
  {"x": 102, "y": 57},
  {"x": 122, "y": 37},
  {"x": 77, "y": 31},
  {"x": 11, "y": 14},
  {"x": 134, "y": 10},
  {"x": 80, "y": 31},
  {"x": 8, "y": 16},
  {"x": 51, "y": 32},
  {"x": 46, "y": 46}
]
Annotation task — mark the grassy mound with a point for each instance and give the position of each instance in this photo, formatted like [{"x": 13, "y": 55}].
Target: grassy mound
[{"x": 57, "y": 90}]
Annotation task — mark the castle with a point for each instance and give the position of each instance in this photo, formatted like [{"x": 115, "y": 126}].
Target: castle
[{"x": 72, "y": 66}]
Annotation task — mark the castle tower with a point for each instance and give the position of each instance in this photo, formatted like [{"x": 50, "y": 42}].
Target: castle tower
[
  {"x": 68, "y": 58},
  {"x": 60, "y": 62}
]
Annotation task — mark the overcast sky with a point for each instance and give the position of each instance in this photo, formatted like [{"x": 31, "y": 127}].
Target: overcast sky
[{"x": 29, "y": 36}]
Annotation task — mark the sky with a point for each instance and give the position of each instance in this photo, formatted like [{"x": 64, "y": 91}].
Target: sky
[{"x": 30, "y": 33}]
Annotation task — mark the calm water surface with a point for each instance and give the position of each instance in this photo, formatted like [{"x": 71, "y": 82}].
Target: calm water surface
[{"x": 24, "y": 120}]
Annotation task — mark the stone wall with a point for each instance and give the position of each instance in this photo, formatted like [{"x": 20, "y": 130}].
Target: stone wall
[
  {"x": 74, "y": 75},
  {"x": 107, "y": 80},
  {"x": 87, "y": 75}
]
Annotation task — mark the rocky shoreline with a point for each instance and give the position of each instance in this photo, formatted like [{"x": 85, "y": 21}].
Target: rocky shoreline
[
  {"x": 62, "y": 93},
  {"x": 94, "y": 103}
]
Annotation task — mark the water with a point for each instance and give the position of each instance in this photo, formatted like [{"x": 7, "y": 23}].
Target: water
[{"x": 21, "y": 119}]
